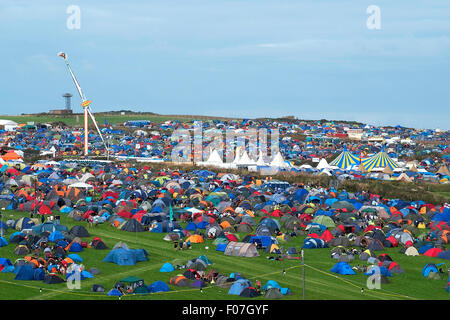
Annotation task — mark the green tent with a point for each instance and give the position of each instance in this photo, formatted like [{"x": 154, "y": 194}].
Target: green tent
[{"x": 325, "y": 220}]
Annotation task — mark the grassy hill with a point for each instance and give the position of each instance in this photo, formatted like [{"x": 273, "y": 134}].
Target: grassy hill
[
  {"x": 112, "y": 118},
  {"x": 320, "y": 283}
]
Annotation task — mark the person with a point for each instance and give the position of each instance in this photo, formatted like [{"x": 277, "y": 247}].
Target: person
[
  {"x": 42, "y": 219},
  {"x": 258, "y": 286},
  {"x": 181, "y": 245},
  {"x": 175, "y": 245}
]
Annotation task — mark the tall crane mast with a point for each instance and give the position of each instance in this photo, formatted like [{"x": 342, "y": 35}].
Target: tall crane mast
[{"x": 87, "y": 111}]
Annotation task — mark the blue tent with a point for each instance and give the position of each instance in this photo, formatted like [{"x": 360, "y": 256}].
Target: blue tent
[
  {"x": 75, "y": 247},
  {"x": 62, "y": 243},
  {"x": 239, "y": 285},
  {"x": 191, "y": 226},
  {"x": 425, "y": 248},
  {"x": 221, "y": 247},
  {"x": 114, "y": 292},
  {"x": 158, "y": 286},
  {"x": 271, "y": 284},
  {"x": 55, "y": 236},
  {"x": 381, "y": 270},
  {"x": 202, "y": 225},
  {"x": 167, "y": 267},
  {"x": 314, "y": 243},
  {"x": 3, "y": 242},
  {"x": 76, "y": 258},
  {"x": 430, "y": 267},
  {"x": 444, "y": 255},
  {"x": 271, "y": 224},
  {"x": 27, "y": 223},
  {"x": 300, "y": 195},
  {"x": 5, "y": 265},
  {"x": 265, "y": 241},
  {"x": 27, "y": 272},
  {"x": 342, "y": 268},
  {"x": 83, "y": 274},
  {"x": 128, "y": 257},
  {"x": 15, "y": 234}
]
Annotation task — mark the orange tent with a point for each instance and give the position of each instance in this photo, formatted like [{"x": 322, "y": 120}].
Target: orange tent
[
  {"x": 11, "y": 156},
  {"x": 225, "y": 224},
  {"x": 195, "y": 238}
]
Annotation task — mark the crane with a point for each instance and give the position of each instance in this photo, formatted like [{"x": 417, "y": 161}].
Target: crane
[{"x": 87, "y": 111}]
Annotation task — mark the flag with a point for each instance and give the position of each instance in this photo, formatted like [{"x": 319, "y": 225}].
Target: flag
[
  {"x": 171, "y": 212},
  {"x": 62, "y": 54},
  {"x": 105, "y": 122}
]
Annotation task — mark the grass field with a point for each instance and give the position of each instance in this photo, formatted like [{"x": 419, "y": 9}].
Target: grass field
[
  {"x": 113, "y": 119},
  {"x": 320, "y": 283}
]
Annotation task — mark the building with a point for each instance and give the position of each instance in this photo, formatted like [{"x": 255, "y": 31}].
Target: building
[{"x": 8, "y": 125}]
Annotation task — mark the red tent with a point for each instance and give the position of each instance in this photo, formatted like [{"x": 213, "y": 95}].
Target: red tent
[
  {"x": 232, "y": 237},
  {"x": 433, "y": 252},
  {"x": 392, "y": 240},
  {"x": 326, "y": 236},
  {"x": 125, "y": 214},
  {"x": 44, "y": 210}
]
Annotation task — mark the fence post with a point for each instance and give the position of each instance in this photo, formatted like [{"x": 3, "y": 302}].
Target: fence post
[{"x": 303, "y": 275}]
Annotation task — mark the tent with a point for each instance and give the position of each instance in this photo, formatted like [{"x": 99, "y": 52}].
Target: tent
[
  {"x": 379, "y": 160},
  {"x": 125, "y": 256},
  {"x": 342, "y": 268},
  {"x": 79, "y": 231},
  {"x": 27, "y": 272},
  {"x": 166, "y": 267},
  {"x": 132, "y": 225},
  {"x": 312, "y": 243},
  {"x": 241, "y": 249},
  {"x": 273, "y": 293},
  {"x": 158, "y": 286},
  {"x": 239, "y": 285},
  {"x": 344, "y": 160}
]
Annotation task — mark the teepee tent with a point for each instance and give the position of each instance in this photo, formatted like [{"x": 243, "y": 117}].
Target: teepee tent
[
  {"x": 323, "y": 163},
  {"x": 379, "y": 161},
  {"x": 443, "y": 170},
  {"x": 345, "y": 160},
  {"x": 278, "y": 161}
]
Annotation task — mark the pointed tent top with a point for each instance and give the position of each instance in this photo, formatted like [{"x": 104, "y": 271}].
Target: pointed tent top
[
  {"x": 261, "y": 161},
  {"x": 278, "y": 161},
  {"x": 323, "y": 163},
  {"x": 443, "y": 170},
  {"x": 214, "y": 157}
]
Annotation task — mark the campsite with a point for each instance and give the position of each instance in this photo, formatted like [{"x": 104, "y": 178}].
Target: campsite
[
  {"x": 114, "y": 224},
  {"x": 252, "y": 151}
]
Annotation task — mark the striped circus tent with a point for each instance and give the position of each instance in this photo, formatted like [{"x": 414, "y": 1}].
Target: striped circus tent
[
  {"x": 345, "y": 160},
  {"x": 380, "y": 160}
]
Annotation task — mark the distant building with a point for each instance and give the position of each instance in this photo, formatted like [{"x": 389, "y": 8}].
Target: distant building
[
  {"x": 60, "y": 112},
  {"x": 8, "y": 125}
]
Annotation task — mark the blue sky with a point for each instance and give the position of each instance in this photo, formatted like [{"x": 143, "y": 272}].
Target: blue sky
[{"x": 311, "y": 59}]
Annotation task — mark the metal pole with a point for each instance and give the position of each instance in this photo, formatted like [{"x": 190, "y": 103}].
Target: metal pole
[
  {"x": 86, "y": 132},
  {"x": 303, "y": 275},
  {"x": 1, "y": 217}
]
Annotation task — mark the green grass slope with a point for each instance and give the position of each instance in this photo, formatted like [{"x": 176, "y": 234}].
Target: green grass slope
[{"x": 320, "y": 283}]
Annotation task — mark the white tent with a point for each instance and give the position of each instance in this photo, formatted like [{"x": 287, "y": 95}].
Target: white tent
[
  {"x": 245, "y": 160},
  {"x": 80, "y": 185},
  {"x": 261, "y": 161},
  {"x": 278, "y": 161},
  {"x": 214, "y": 159},
  {"x": 323, "y": 163}
]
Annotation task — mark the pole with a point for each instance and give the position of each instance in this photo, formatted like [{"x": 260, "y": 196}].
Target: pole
[
  {"x": 86, "y": 132},
  {"x": 1, "y": 217},
  {"x": 303, "y": 275}
]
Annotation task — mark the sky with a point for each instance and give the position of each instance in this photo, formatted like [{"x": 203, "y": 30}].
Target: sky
[{"x": 312, "y": 59}]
